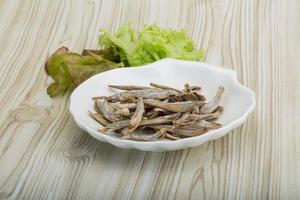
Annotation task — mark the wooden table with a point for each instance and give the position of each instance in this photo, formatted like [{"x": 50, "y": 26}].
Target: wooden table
[{"x": 44, "y": 155}]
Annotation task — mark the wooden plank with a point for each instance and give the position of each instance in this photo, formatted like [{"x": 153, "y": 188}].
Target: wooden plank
[{"x": 43, "y": 154}]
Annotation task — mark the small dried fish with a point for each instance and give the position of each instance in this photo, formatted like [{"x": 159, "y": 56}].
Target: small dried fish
[
  {"x": 159, "y": 120},
  {"x": 137, "y": 116},
  {"x": 159, "y": 109},
  {"x": 190, "y": 97},
  {"x": 165, "y": 87},
  {"x": 196, "y": 124},
  {"x": 199, "y": 96},
  {"x": 189, "y": 94},
  {"x": 187, "y": 88},
  {"x": 213, "y": 104},
  {"x": 172, "y": 99},
  {"x": 147, "y": 94},
  {"x": 124, "y": 112},
  {"x": 218, "y": 125},
  {"x": 151, "y": 114},
  {"x": 98, "y": 117},
  {"x": 119, "y": 105},
  {"x": 174, "y": 107},
  {"x": 96, "y": 108},
  {"x": 155, "y": 112},
  {"x": 196, "y": 110},
  {"x": 103, "y": 130},
  {"x": 160, "y": 126},
  {"x": 107, "y": 110},
  {"x": 196, "y": 117},
  {"x": 195, "y": 88},
  {"x": 183, "y": 132},
  {"x": 144, "y": 137},
  {"x": 184, "y": 117},
  {"x": 129, "y": 87},
  {"x": 125, "y": 131},
  {"x": 171, "y": 113},
  {"x": 171, "y": 137},
  {"x": 188, "y": 132},
  {"x": 118, "y": 125},
  {"x": 216, "y": 114},
  {"x": 193, "y": 93},
  {"x": 150, "y": 93}
]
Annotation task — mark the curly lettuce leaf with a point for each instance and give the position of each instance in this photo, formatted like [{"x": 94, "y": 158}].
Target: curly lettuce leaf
[
  {"x": 69, "y": 69},
  {"x": 122, "y": 42},
  {"x": 149, "y": 45}
]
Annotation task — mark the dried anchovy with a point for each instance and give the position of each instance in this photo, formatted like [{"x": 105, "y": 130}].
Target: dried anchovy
[
  {"x": 151, "y": 114},
  {"x": 213, "y": 104},
  {"x": 156, "y": 112},
  {"x": 184, "y": 118},
  {"x": 160, "y": 126},
  {"x": 216, "y": 114},
  {"x": 125, "y": 131},
  {"x": 165, "y": 87},
  {"x": 195, "y": 124},
  {"x": 159, "y": 120},
  {"x": 196, "y": 109},
  {"x": 171, "y": 137},
  {"x": 173, "y": 99},
  {"x": 199, "y": 96},
  {"x": 193, "y": 92},
  {"x": 137, "y": 116},
  {"x": 192, "y": 117},
  {"x": 183, "y": 132},
  {"x": 96, "y": 108},
  {"x": 98, "y": 118},
  {"x": 129, "y": 87},
  {"x": 124, "y": 112},
  {"x": 171, "y": 113},
  {"x": 187, "y": 88},
  {"x": 174, "y": 107},
  {"x": 144, "y": 137},
  {"x": 195, "y": 88},
  {"x": 189, "y": 94},
  {"x": 119, "y": 105},
  {"x": 107, "y": 110},
  {"x": 118, "y": 125},
  {"x": 159, "y": 109},
  {"x": 148, "y": 94},
  {"x": 188, "y": 132}
]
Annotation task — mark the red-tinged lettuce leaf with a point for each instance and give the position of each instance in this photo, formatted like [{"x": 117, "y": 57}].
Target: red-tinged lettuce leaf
[
  {"x": 108, "y": 54},
  {"x": 69, "y": 69}
]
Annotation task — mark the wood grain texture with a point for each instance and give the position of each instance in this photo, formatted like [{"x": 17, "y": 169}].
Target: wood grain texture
[{"x": 43, "y": 155}]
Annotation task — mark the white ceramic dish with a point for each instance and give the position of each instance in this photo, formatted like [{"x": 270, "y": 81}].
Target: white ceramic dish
[{"x": 238, "y": 100}]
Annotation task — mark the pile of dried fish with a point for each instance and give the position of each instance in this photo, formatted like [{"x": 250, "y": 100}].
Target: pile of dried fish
[{"x": 170, "y": 112}]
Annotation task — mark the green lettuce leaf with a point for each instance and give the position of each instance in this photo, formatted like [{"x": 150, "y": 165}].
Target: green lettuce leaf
[{"x": 149, "y": 45}]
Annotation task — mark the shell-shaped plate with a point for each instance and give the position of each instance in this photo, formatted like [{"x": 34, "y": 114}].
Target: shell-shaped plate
[{"x": 238, "y": 100}]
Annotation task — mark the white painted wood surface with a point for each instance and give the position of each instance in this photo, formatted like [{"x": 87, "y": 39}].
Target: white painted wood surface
[{"x": 43, "y": 155}]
